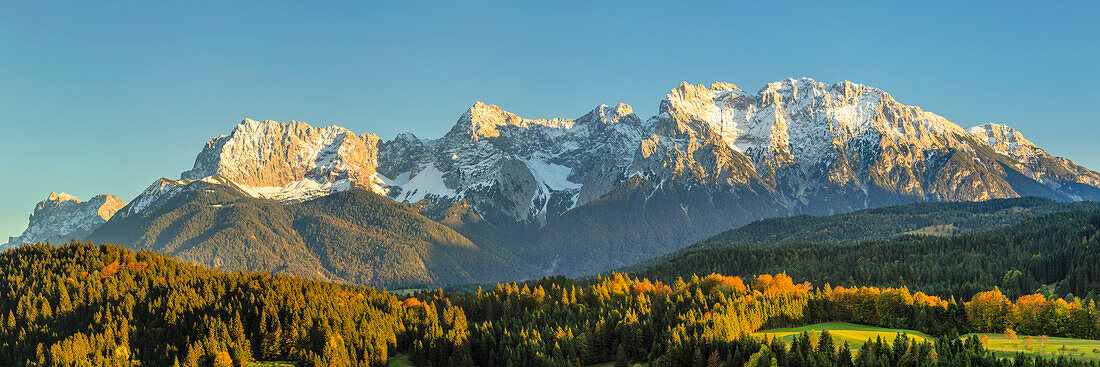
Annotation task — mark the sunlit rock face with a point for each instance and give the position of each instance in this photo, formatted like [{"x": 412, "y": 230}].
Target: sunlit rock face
[
  {"x": 289, "y": 161},
  {"x": 824, "y": 147}
]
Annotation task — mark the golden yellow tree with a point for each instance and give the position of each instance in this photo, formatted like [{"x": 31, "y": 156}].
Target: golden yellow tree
[{"x": 1010, "y": 335}]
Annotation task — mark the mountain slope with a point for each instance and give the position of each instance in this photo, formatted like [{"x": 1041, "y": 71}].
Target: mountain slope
[
  {"x": 62, "y": 217},
  {"x": 355, "y": 236},
  {"x": 637, "y": 221}
]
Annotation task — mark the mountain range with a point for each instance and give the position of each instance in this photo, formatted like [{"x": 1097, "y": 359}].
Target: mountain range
[{"x": 501, "y": 197}]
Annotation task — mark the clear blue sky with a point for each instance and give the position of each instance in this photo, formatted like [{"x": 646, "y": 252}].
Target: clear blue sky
[{"x": 105, "y": 97}]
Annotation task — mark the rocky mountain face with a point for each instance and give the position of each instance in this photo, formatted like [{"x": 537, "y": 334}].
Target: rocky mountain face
[
  {"x": 512, "y": 168},
  {"x": 809, "y": 146},
  {"x": 821, "y": 148},
  {"x": 63, "y": 217},
  {"x": 610, "y": 188},
  {"x": 1056, "y": 172},
  {"x": 607, "y": 189},
  {"x": 288, "y": 162}
]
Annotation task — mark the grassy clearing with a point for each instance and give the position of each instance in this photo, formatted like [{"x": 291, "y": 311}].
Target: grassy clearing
[
  {"x": 406, "y": 291},
  {"x": 856, "y": 335},
  {"x": 1077, "y": 348},
  {"x": 842, "y": 332},
  {"x": 399, "y": 360},
  {"x": 938, "y": 230}
]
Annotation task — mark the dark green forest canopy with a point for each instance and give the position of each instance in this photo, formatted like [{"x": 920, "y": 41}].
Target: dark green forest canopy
[
  {"x": 1058, "y": 254},
  {"x": 944, "y": 218}
]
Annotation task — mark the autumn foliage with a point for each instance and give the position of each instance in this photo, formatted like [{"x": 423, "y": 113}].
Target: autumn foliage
[{"x": 150, "y": 310}]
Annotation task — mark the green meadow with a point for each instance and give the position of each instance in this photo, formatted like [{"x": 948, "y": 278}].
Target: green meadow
[
  {"x": 399, "y": 360},
  {"x": 856, "y": 335},
  {"x": 842, "y": 332},
  {"x": 1078, "y": 348}
]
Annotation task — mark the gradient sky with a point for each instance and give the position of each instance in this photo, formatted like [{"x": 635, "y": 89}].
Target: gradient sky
[{"x": 106, "y": 97}]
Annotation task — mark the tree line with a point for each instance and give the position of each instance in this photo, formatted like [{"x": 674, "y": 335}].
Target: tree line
[
  {"x": 103, "y": 305},
  {"x": 709, "y": 321}
]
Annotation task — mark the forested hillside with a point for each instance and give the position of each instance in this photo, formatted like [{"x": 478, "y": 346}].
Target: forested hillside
[
  {"x": 355, "y": 236},
  {"x": 1058, "y": 254},
  {"x": 82, "y": 304},
  {"x": 944, "y": 218}
]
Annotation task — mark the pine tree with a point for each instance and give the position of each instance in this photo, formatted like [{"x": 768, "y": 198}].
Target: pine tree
[
  {"x": 714, "y": 360},
  {"x": 697, "y": 359},
  {"x": 825, "y": 347},
  {"x": 844, "y": 356},
  {"x": 621, "y": 360}
]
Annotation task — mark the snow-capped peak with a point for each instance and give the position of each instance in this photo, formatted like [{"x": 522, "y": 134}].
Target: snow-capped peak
[
  {"x": 1004, "y": 139},
  {"x": 483, "y": 121},
  {"x": 1033, "y": 161},
  {"x": 59, "y": 198},
  {"x": 289, "y": 161},
  {"x": 62, "y": 217},
  {"x": 407, "y": 137},
  {"x": 605, "y": 114}
]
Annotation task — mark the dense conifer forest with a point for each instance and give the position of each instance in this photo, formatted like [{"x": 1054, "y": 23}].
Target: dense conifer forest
[
  {"x": 945, "y": 217},
  {"x": 103, "y": 305}
]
